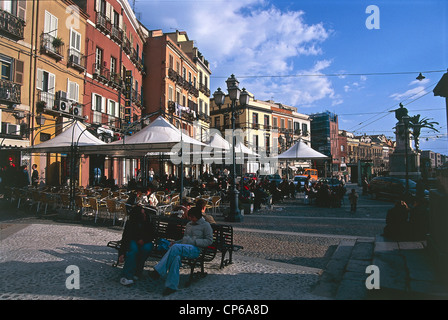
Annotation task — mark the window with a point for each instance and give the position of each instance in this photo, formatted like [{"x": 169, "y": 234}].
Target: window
[
  {"x": 282, "y": 123},
  {"x": 170, "y": 93},
  {"x": 206, "y": 108},
  {"x": 50, "y": 25},
  {"x": 275, "y": 122},
  {"x": 184, "y": 73},
  {"x": 217, "y": 122},
  {"x": 255, "y": 139},
  {"x": 72, "y": 91},
  {"x": 113, "y": 65},
  {"x": 304, "y": 128},
  {"x": 75, "y": 41},
  {"x": 171, "y": 62},
  {"x": 254, "y": 119},
  {"x": 116, "y": 19},
  {"x": 112, "y": 108},
  {"x": 289, "y": 124},
  {"x": 98, "y": 58},
  {"x": 189, "y": 77},
  {"x": 97, "y": 102},
  {"x": 6, "y": 67},
  {"x": 45, "y": 81},
  {"x": 266, "y": 121}
]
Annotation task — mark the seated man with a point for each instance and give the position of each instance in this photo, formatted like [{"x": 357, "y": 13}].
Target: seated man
[
  {"x": 149, "y": 198},
  {"x": 198, "y": 234},
  {"x": 136, "y": 245}
]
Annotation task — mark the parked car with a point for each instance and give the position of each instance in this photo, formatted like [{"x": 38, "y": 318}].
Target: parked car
[
  {"x": 391, "y": 187},
  {"x": 299, "y": 182},
  {"x": 331, "y": 182},
  {"x": 271, "y": 177}
]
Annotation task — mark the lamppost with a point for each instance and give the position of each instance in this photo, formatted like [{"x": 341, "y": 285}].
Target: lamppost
[{"x": 235, "y": 94}]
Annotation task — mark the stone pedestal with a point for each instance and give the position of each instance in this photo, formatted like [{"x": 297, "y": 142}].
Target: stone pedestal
[{"x": 404, "y": 153}]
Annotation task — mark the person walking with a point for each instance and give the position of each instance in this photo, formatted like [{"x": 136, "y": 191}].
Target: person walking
[{"x": 353, "y": 198}]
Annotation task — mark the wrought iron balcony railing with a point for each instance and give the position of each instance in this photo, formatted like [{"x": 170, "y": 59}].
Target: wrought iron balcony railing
[
  {"x": 52, "y": 46},
  {"x": 100, "y": 72},
  {"x": 76, "y": 60},
  {"x": 116, "y": 34},
  {"x": 48, "y": 98},
  {"x": 11, "y": 26},
  {"x": 10, "y": 92},
  {"x": 103, "y": 23}
]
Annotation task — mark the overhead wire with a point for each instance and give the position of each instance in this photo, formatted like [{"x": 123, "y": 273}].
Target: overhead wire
[{"x": 390, "y": 109}]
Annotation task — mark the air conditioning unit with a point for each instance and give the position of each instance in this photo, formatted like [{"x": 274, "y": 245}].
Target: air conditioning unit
[
  {"x": 61, "y": 105},
  {"x": 61, "y": 95},
  {"x": 9, "y": 128},
  {"x": 76, "y": 109}
]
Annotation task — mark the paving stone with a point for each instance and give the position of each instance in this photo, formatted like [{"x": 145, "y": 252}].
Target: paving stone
[
  {"x": 362, "y": 251},
  {"x": 351, "y": 289}
]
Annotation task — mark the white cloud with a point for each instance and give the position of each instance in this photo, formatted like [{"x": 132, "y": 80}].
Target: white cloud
[
  {"x": 251, "y": 38},
  {"x": 415, "y": 93}
]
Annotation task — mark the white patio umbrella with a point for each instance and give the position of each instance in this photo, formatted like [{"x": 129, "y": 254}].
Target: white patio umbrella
[
  {"x": 75, "y": 134},
  {"x": 301, "y": 151},
  {"x": 159, "y": 136}
]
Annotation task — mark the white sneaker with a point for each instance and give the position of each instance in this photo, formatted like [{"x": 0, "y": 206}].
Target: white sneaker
[{"x": 126, "y": 282}]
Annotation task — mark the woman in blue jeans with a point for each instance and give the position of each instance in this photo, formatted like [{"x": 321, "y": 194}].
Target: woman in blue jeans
[
  {"x": 198, "y": 234},
  {"x": 136, "y": 245}
]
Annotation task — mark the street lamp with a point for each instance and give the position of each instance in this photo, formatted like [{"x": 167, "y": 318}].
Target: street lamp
[{"x": 235, "y": 94}]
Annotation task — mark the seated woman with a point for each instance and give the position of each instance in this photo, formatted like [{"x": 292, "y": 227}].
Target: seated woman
[
  {"x": 198, "y": 234},
  {"x": 136, "y": 245}
]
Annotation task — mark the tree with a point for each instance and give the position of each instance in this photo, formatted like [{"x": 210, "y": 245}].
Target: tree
[{"x": 416, "y": 124}]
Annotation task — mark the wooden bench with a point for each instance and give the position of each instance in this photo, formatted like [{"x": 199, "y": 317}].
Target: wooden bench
[{"x": 172, "y": 229}]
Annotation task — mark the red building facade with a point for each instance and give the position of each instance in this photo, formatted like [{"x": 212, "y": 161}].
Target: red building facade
[{"x": 113, "y": 83}]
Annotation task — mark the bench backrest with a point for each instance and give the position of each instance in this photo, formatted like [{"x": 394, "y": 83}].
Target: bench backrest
[{"x": 173, "y": 229}]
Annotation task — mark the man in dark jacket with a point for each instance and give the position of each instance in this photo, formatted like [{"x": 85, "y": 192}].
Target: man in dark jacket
[{"x": 136, "y": 245}]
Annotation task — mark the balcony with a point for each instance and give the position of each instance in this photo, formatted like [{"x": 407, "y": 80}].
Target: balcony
[
  {"x": 203, "y": 88},
  {"x": 172, "y": 74},
  {"x": 10, "y": 92},
  {"x": 76, "y": 60},
  {"x": 11, "y": 26},
  {"x": 127, "y": 45},
  {"x": 115, "y": 80},
  {"x": 48, "y": 98},
  {"x": 116, "y": 34},
  {"x": 52, "y": 46},
  {"x": 101, "y": 73},
  {"x": 103, "y": 23},
  {"x": 136, "y": 98}
]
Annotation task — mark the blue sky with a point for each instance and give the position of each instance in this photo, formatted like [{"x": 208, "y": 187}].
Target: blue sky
[{"x": 319, "y": 55}]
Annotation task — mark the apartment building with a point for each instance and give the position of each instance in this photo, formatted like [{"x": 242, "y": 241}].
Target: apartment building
[
  {"x": 172, "y": 86},
  {"x": 324, "y": 133},
  {"x": 113, "y": 92},
  {"x": 42, "y": 78},
  {"x": 15, "y": 96}
]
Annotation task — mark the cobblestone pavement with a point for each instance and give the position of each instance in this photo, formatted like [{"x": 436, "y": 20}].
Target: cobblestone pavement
[{"x": 285, "y": 250}]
